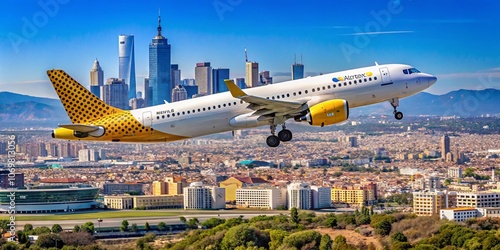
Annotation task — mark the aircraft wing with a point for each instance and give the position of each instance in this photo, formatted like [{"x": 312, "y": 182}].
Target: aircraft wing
[{"x": 264, "y": 106}]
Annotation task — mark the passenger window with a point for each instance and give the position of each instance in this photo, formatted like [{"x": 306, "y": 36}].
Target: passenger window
[
  {"x": 375, "y": 78},
  {"x": 200, "y": 110},
  {"x": 208, "y": 108},
  {"x": 178, "y": 114},
  {"x": 355, "y": 81},
  {"x": 183, "y": 112},
  {"x": 365, "y": 79},
  {"x": 287, "y": 95},
  {"x": 300, "y": 92},
  {"x": 313, "y": 90},
  {"x": 224, "y": 105},
  {"x": 203, "y": 109},
  {"x": 334, "y": 86},
  {"x": 329, "y": 87},
  {"x": 294, "y": 94},
  {"x": 340, "y": 84},
  {"x": 229, "y": 104},
  {"x": 277, "y": 97},
  {"x": 168, "y": 116},
  {"x": 282, "y": 96},
  {"x": 272, "y": 97},
  {"x": 194, "y": 111},
  {"x": 345, "y": 84},
  {"x": 157, "y": 118},
  {"x": 350, "y": 83},
  {"x": 306, "y": 92},
  {"x": 318, "y": 89},
  {"x": 173, "y": 114},
  {"x": 219, "y": 105},
  {"x": 370, "y": 79}
]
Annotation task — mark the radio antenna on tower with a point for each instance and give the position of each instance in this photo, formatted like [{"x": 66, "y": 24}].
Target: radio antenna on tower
[{"x": 246, "y": 55}]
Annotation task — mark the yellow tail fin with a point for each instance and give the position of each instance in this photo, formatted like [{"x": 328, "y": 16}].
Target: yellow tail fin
[{"x": 81, "y": 105}]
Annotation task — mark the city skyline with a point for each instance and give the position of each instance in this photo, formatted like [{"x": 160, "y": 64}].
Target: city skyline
[{"x": 37, "y": 37}]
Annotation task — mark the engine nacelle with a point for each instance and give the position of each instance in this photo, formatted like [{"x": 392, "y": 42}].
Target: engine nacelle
[{"x": 326, "y": 113}]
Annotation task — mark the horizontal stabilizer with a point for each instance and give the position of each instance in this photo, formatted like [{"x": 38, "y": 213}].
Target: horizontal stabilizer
[{"x": 81, "y": 128}]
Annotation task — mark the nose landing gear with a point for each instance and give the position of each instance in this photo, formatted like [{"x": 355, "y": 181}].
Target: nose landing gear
[{"x": 395, "y": 103}]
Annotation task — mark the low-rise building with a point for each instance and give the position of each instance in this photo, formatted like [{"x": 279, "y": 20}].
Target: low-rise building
[
  {"x": 262, "y": 198},
  {"x": 119, "y": 202},
  {"x": 321, "y": 197},
  {"x": 158, "y": 201},
  {"x": 458, "y": 214}
]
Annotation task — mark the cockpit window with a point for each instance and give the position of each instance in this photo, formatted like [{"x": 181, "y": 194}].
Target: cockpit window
[
  {"x": 405, "y": 71},
  {"x": 413, "y": 70}
]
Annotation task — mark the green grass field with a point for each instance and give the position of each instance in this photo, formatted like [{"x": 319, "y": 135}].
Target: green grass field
[{"x": 93, "y": 215}]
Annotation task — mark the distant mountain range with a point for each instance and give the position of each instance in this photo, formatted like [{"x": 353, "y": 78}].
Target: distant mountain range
[{"x": 17, "y": 108}]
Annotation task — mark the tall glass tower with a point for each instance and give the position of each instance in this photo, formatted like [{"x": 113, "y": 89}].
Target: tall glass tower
[
  {"x": 298, "y": 70},
  {"x": 96, "y": 79},
  {"x": 127, "y": 63},
  {"x": 218, "y": 77},
  {"x": 159, "y": 68}
]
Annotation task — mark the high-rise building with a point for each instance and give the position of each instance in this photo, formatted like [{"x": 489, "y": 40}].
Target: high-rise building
[
  {"x": 175, "y": 75},
  {"x": 175, "y": 185},
  {"x": 297, "y": 70},
  {"x": 218, "y": 77},
  {"x": 115, "y": 93},
  {"x": 321, "y": 197},
  {"x": 455, "y": 172},
  {"x": 240, "y": 82},
  {"x": 126, "y": 71},
  {"x": 197, "y": 197},
  {"x": 203, "y": 78},
  {"x": 299, "y": 195},
  {"x": 191, "y": 90},
  {"x": 179, "y": 93},
  {"x": 252, "y": 74},
  {"x": 159, "y": 68},
  {"x": 188, "y": 82},
  {"x": 148, "y": 93},
  {"x": 445, "y": 146},
  {"x": 96, "y": 79},
  {"x": 265, "y": 78}
]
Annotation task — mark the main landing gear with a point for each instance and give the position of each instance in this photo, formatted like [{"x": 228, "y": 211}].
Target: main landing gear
[
  {"x": 395, "y": 103},
  {"x": 284, "y": 135}
]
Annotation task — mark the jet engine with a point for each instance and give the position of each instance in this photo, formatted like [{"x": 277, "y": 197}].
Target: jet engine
[{"x": 326, "y": 113}]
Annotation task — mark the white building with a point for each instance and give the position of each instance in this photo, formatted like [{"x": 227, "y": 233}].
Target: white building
[
  {"x": 263, "y": 198},
  {"x": 299, "y": 195},
  {"x": 458, "y": 214},
  {"x": 490, "y": 199},
  {"x": 85, "y": 155},
  {"x": 198, "y": 197},
  {"x": 321, "y": 197},
  {"x": 218, "y": 197}
]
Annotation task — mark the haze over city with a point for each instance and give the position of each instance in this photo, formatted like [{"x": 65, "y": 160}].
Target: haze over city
[{"x": 440, "y": 38}]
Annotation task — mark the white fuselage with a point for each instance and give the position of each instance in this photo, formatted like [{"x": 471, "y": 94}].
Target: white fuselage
[{"x": 213, "y": 113}]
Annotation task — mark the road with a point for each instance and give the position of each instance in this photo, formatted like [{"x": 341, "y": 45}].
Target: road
[{"x": 140, "y": 221}]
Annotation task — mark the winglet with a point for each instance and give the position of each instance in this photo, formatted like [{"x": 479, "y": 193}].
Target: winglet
[{"x": 235, "y": 91}]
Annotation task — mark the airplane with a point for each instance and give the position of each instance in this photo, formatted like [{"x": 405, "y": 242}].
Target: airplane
[{"x": 320, "y": 101}]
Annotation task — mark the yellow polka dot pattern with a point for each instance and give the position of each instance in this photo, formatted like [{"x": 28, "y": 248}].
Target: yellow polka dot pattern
[{"x": 83, "y": 107}]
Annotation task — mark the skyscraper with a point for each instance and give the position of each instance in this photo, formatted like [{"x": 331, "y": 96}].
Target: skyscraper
[
  {"x": 175, "y": 75},
  {"x": 159, "y": 68},
  {"x": 115, "y": 93},
  {"x": 126, "y": 71},
  {"x": 203, "y": 78},
  {"x": 179, "y": 93},
  {"x": 265, "y": 78},
  {"x": 240, "y": 82},
  {"x": 148, "y": 93},
  {"x": 297, "y": 70},
  {"x": 96, "y": 79},
  {"x": 445, "y": 146},
  {"x": 218, "y": 77},
  {"x": 252, "y": 74}
]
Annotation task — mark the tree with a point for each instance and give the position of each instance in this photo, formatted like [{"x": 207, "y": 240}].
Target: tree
[
  {"x": 28, "y": 227},
  {"x": 49, "y": 240},
  {"x": 162, "y": 226},
  {"x": 42, "y": 230},
  {"x": 277, "y": 236},
  {"x": 193, "y": 223},
  {"x": 147, "y": 227},
  {"x": 383, "y": 227},
  {"x": 77, "y": 239},
  {"x": 9, "y": 246},
  {"x": 124, "y": 226},
  {"x": 399, "y": 237},
  {"x": 183, "y": 219},
  {"x": 56, "y": 228},
  {"x": 88, "y": 227},
  {"x": 331, "y": 221},
  {"x": 213, "y": 222},
  {"x": 22, "y": 237},
  {"x": 294, "y": 214},
  {"x": 134, "y": 228},
  {"x": 301, "y": 239},
  {"x": 240, "y": 235},
  {"x": 325, "y": 243},
  {"x": 76, "y": 229}
]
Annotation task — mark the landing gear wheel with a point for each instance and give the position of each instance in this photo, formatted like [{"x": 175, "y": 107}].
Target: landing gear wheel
[
  {"x": 285, "y": 135},
  {"x": 273, "y": 141},
  {"x": 398, "y": 115}
]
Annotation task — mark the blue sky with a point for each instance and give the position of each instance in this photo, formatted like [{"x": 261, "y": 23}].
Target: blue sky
[{"x": 454, "y": 40}]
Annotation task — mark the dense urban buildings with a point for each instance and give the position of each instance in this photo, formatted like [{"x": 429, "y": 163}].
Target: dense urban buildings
[
  {"x": 179, "y": 93},
  {"x": 160, "y": 68},
  {"x": 126, "y": 70},
  {"x": 96, "y": 79}
]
